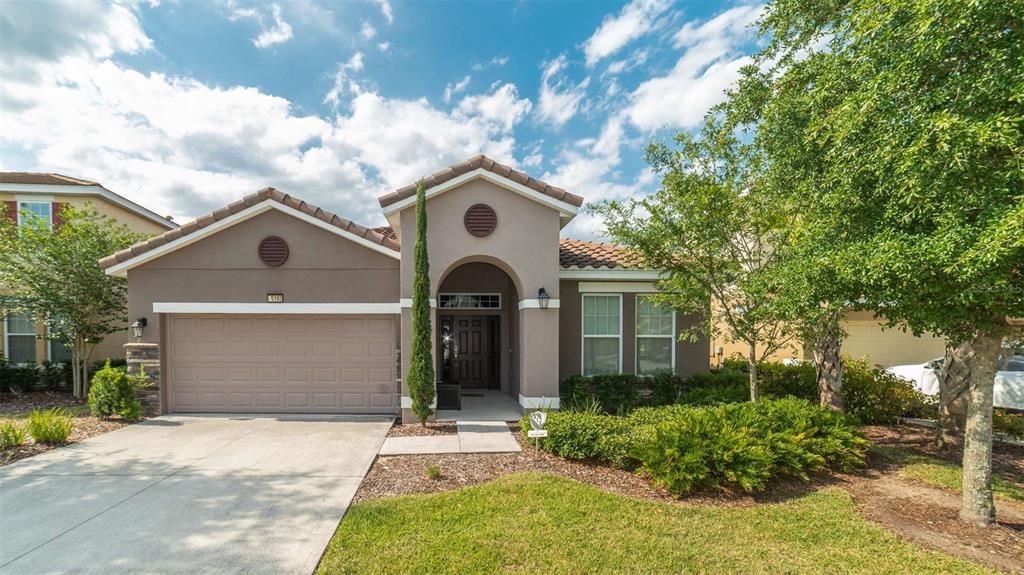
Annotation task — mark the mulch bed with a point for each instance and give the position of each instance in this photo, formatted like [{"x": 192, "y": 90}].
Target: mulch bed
[
  {"x": 417, "y": 430},
  {"x": 1006, "y": 459},
  {"x": 12, "y": 405}
]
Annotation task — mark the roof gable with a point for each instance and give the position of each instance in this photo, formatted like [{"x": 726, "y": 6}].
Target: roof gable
[{"x": 244, "y": 209}]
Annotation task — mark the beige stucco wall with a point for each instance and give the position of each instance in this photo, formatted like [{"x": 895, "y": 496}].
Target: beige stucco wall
[
  {"x": 866, "y": 339},
  {"x": 691, "y": 356},
  {"x": 524, "y": 245},
  {"x": 113, "y": 345}
]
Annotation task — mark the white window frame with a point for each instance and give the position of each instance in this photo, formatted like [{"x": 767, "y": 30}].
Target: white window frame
[
  {"x": 637, "y": 336},
  {"x": 583, "y": 331},
  {"x": 7, "y": 335},
  {"x": 440, "y": 295},
  {"x": 21, "y": 206},
  {"x": 49, "y": 345}
]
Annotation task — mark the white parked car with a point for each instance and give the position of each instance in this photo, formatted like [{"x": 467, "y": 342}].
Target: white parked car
[{"x": 1009, "y": 389}]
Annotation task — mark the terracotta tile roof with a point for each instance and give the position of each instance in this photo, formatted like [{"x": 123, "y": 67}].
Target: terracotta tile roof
[
  {"x": 583, "y": 254},
  {"x": 490, "y": 165},
  {"x": 235, "y": 207},
  {"x": 39, "y": 178},
  {"x": 387, "y": 232}
]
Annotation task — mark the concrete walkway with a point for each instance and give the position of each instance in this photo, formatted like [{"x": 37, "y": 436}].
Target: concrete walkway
[
  {"x": 472, "y": 437},
  {"x": 189, "y": 495}
]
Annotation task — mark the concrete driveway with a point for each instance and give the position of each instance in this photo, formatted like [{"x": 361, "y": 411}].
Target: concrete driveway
[{"x": 187, "y": 494}]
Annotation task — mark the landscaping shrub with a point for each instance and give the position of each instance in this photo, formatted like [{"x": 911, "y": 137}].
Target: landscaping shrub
[
  {"x": 11, "y": 434},
  {"x": 573, "y": 391},
  {"x": 665, "y": 388},
  {"x": 18, "y": 377},
  {"x": 716, "y": 394},
  {"x": 50, "y": 426},
  {"x": 777, "y": 379},
  {"x": 113, "y": 392},
  {"x": 617, "y": 393},
  {"x": 876, "y": 396},
  {"x": 740, "y": 445},
  {"x": 1011, "y": 424}
]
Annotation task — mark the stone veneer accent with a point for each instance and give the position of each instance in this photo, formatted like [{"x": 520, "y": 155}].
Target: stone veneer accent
[{"x": 146, "y": 356}]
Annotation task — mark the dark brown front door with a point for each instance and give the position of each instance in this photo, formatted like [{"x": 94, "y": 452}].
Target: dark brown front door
[{"x": 470, "y": 335}]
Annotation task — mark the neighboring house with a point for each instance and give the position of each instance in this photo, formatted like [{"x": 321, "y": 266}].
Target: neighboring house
[
  {"x": 274, "y": 305},
  {"x": 866, "y": 338},
  {"x": 21, "y": 339}
]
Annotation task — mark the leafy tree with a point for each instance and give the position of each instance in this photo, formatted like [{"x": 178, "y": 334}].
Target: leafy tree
[
  {"x": 912, "y": 112},
  {"x": 712, "y": 232},
  {"x": 53, "y": 275},
  {"x": 421, "y": 362}
]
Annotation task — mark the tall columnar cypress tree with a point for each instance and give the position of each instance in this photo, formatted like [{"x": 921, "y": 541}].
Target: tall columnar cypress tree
[{"x": 421, "y": 365}]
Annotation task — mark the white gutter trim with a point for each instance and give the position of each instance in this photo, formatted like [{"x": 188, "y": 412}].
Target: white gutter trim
[
  {"x": 93, "y": 190},
  {"x": 564, "y": 208},
  {"x": 535, "y": 304},
  {"x": 617, "y": 287},
  {"x": 122, "y": 268},
  {"x": 538, "y": 402},
  {"x": 609, "y": 274},
  {"x": 276, "y": 308}
]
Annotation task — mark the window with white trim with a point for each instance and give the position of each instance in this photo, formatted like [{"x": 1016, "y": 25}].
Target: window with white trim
[
  {"x": 469, "y": 301},
  {"x": 19, "y": 338},
  {"x": 42, "y": 210},
  {"x": 655, "y": 336},
  {"x": 57, "y": 351},
  {"x": 602, "y": 334}
]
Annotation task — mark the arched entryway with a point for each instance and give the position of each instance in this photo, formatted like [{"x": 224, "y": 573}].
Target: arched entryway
[{"x": 477, "y": 337}]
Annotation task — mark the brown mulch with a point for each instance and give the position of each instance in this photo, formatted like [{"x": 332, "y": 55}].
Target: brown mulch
[
  {"x": 17, "y": 405},
  {"x": 417, "y": 430},
  {"x": 1007, "y": 459}
]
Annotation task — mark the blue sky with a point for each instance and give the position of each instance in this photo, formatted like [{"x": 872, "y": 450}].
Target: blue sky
[{"x": 185, "y": 106}]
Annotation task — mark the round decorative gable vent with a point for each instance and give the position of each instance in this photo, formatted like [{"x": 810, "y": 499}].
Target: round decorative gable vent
[
  {"x": 273, "y": 251},
  {"x": 480, "y": 220}
]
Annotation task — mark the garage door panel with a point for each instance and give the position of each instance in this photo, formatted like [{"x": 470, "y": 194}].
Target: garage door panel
[{"x": 318, "y": 364}]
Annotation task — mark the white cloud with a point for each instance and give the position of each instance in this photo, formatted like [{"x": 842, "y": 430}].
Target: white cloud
[
  {"x": 452, "y": 89},
  {"x": 496, "y": 62},
  {"x": 342, "y": 82},
  {"x": 634, "y": 20},
  {"x": 383, "y": 47},
  {"x": 710, "y": 63},
  {"x": 386, "y": 11},
  {"x": 367, "y": 31},
  {"x": 502, "y": 106},
  {"x": 279, "y": 33},
  {"x": 635, "y": 59},
  {"x": 559, "y": 99}
]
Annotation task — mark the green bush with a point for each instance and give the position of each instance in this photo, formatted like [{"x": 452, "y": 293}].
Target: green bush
[
  {"x": 113, "y": 392},
  {"x": 876, "y": 396},
  {"x": 716, "y": 394},
  {"x": 11, "y": 434},
  {"x": 665, "y": 388},
  {"x": 777, "y": 379},
  {"x": 574, "y": 391},
  {"x": 50, "y": 426},
  {"x": 1011, "y": 424},
  {"x": 740, "y": 445},
  {"x": 617, "y": 393}
]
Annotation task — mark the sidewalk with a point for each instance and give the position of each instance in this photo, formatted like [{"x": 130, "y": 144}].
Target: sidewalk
[{"x": 472, "y": 437}]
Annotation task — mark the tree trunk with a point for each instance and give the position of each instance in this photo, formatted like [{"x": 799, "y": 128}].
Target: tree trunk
[
  {"x": 978, "y": 507},
  {"x": 755, "y": 393},
  {"x": 954, "y": 381},
  {"x": 828, "y": 369}
]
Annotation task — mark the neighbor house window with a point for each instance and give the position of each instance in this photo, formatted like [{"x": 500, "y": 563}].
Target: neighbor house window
[
  {"x": 469, "y": 301},
  {"x": 58, "y": 351},
  {"x": 42, "y": 210},
  {"x": 655, "y": 336},
  {"x": 20, "y": 338},
  {"x": 602, "y": 334}
]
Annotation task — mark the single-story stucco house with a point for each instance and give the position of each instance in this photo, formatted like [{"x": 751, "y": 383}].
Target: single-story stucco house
[{"x": 274, "y": 305}]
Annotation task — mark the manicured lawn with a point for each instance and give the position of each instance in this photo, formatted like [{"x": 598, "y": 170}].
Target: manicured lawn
[
  {"x": 539, "y": 523},
  {"x": 944, "y": 474}
]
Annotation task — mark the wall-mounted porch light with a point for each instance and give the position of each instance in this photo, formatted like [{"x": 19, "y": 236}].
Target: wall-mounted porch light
[
  {"x": 543, "y": 298},
  {"x": 137, "y": 327}
]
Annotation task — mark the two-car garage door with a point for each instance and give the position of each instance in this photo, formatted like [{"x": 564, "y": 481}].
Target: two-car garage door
[{"x": 281, "y": 363}]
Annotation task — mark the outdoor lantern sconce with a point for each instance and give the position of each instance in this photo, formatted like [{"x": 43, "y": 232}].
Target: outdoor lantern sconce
[
  {"x": 543, "y": 298},
  {"x": 138, "y": 326}
]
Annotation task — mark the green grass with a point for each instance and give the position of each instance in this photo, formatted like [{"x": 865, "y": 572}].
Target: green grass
[
  {"x": 538, "y": 523},
  {"x": 944, "y": 474}
]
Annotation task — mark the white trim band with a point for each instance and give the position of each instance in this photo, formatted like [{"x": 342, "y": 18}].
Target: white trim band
[
  {"x": 608, "y": 274},
  {"x": 276, "y": 308},
  {"x": 407, "y": 402},
  {"x": 535, "y": 304},
  {"x": 407, "y": 302},
  {"x": 617, "y": 287},
  {"x": 538, "y": 402}
]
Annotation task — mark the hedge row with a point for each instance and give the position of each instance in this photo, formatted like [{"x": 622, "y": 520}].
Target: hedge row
[
  {"x": 738, "y": 445},
  {"x": 872, "y": 395},
  {"x": 44, "y": 376}
]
